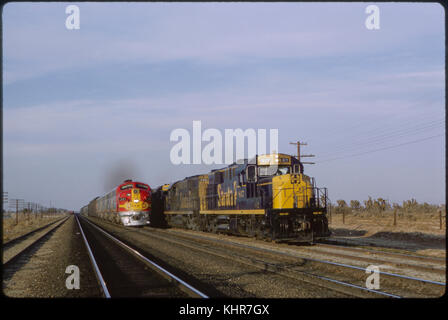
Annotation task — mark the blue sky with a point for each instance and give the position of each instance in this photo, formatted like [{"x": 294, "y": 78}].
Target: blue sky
[{"x": 83, "y": 108}]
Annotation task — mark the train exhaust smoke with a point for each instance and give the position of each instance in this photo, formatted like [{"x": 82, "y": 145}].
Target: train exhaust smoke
[{"x": 118, "y": 172}]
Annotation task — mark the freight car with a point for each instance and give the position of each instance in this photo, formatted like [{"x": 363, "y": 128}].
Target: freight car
[
  {"x": 128, "y": 204},
  {"x": 269, "y": 197}
]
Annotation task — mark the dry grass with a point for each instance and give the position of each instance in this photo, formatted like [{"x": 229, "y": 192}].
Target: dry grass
[
  {"x": 26, "y": 224},
  {"x": 419, "y": 232},
  {"x": 384, "y": 221}
]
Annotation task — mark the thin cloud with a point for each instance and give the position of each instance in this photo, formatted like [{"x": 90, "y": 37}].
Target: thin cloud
[{"x": 211, "y": 33}]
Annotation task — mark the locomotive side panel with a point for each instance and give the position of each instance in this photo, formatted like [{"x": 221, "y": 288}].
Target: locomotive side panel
[
  {"x": 157, "y": 217},
  {"x": 182, "y": 204},
  {"x": 84, "y": 211},
  {"x": 92, "y": 208}
]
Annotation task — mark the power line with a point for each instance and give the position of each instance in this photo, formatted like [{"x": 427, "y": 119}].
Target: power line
[
  {"x": 385, "y": 134},
  {"x": 386, "y": 148},
  {"x": 349, "y": 130},
  {"x": 393, "y": 135},
  {"x": 379, "y": 132}
]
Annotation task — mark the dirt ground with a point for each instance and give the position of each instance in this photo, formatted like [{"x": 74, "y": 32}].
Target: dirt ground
[
  {"x": 42, "y": 272},
  {"x": 417, "y": 231},
  {"x": 26, "y": 224}
]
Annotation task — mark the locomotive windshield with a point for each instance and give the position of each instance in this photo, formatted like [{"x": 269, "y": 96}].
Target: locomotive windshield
[
  {"x": 141, "y": 186},
  {"x": 282, "y": 170},
  {"x": 273, "y": 170}
]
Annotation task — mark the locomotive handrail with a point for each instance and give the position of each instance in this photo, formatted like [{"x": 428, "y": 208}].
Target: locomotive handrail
[{"x": 304, "y": 198}]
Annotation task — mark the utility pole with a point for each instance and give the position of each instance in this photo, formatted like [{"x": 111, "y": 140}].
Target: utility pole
[
  {"x": 27, "y": 205},
  {"x": 30, "y": 206},
  {"x": 299, "y": 156},
  {"x": 16, "y": 203}
]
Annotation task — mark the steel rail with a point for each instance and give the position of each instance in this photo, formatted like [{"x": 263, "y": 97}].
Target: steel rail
[
  {"x": 141, "y": 256},
  {"x": 321, "y": 261},
  {"x": 295, "y": 271},
  {"x": 9, "y": 260},
  {"x": 95, "y": 265},
  {"x": 26, "y": 235},
  {"x": 324, "y": 243}
]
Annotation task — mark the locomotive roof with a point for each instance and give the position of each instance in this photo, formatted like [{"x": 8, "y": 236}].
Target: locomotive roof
[
  {"x": 235, "y": 164},
  {"x": 253, "y": 160}
]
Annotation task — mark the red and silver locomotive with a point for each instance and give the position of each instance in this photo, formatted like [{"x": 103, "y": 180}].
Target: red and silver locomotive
[{"x": 128, "y": 204}]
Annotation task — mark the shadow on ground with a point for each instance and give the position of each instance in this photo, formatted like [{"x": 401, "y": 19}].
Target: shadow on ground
[
  {"x": 341, "y": 232},
  {"x": 410, "y": 240}
]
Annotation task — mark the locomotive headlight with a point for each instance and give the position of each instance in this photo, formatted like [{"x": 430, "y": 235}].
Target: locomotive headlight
[{"x": 136, "y": 200}]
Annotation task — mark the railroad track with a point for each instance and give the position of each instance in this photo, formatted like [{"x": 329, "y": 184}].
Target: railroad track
[
  {"x": 415, "y": 257},
  {"x": 364, "y": 244},
  {"x": 347, "y": 279},
  {"x": 18, "y": 239},
  {"x": 402, "y": 261},
  {"x": 21, "y": 246},
  {"x": 283, "y": 268},
  {"x": 421, "y": 263},
  {"x": 123, "y": 271},
  {"x": 344, "y": 275}
]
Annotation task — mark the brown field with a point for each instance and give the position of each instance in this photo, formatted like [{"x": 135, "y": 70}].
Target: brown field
[
  {"x": 419, "y": 230},
  {"x": 384, "y": 221},
  {"x": 26, "y": 224}
]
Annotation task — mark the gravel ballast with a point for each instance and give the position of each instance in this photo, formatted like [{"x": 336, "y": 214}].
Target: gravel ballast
[{"x": 41, "y": 272}]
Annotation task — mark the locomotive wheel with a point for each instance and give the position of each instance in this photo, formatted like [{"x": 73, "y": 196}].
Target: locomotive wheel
[
  {"x": 211, "y": 226},
  {"x": 267, "y": 236},
  {"x": 195, "y": 224},
  {"x": 191, "y": 224}
]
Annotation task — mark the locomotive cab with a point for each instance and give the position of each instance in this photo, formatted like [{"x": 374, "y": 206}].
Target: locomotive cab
[{"x": 297, "y": 208}]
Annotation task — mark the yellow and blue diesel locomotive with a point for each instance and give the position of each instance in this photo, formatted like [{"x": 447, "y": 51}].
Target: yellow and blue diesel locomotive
[{"x": 268, "y": 197}]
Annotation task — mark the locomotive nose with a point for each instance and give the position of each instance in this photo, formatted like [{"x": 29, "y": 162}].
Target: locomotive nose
[{"x": 135, "y": 196}]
